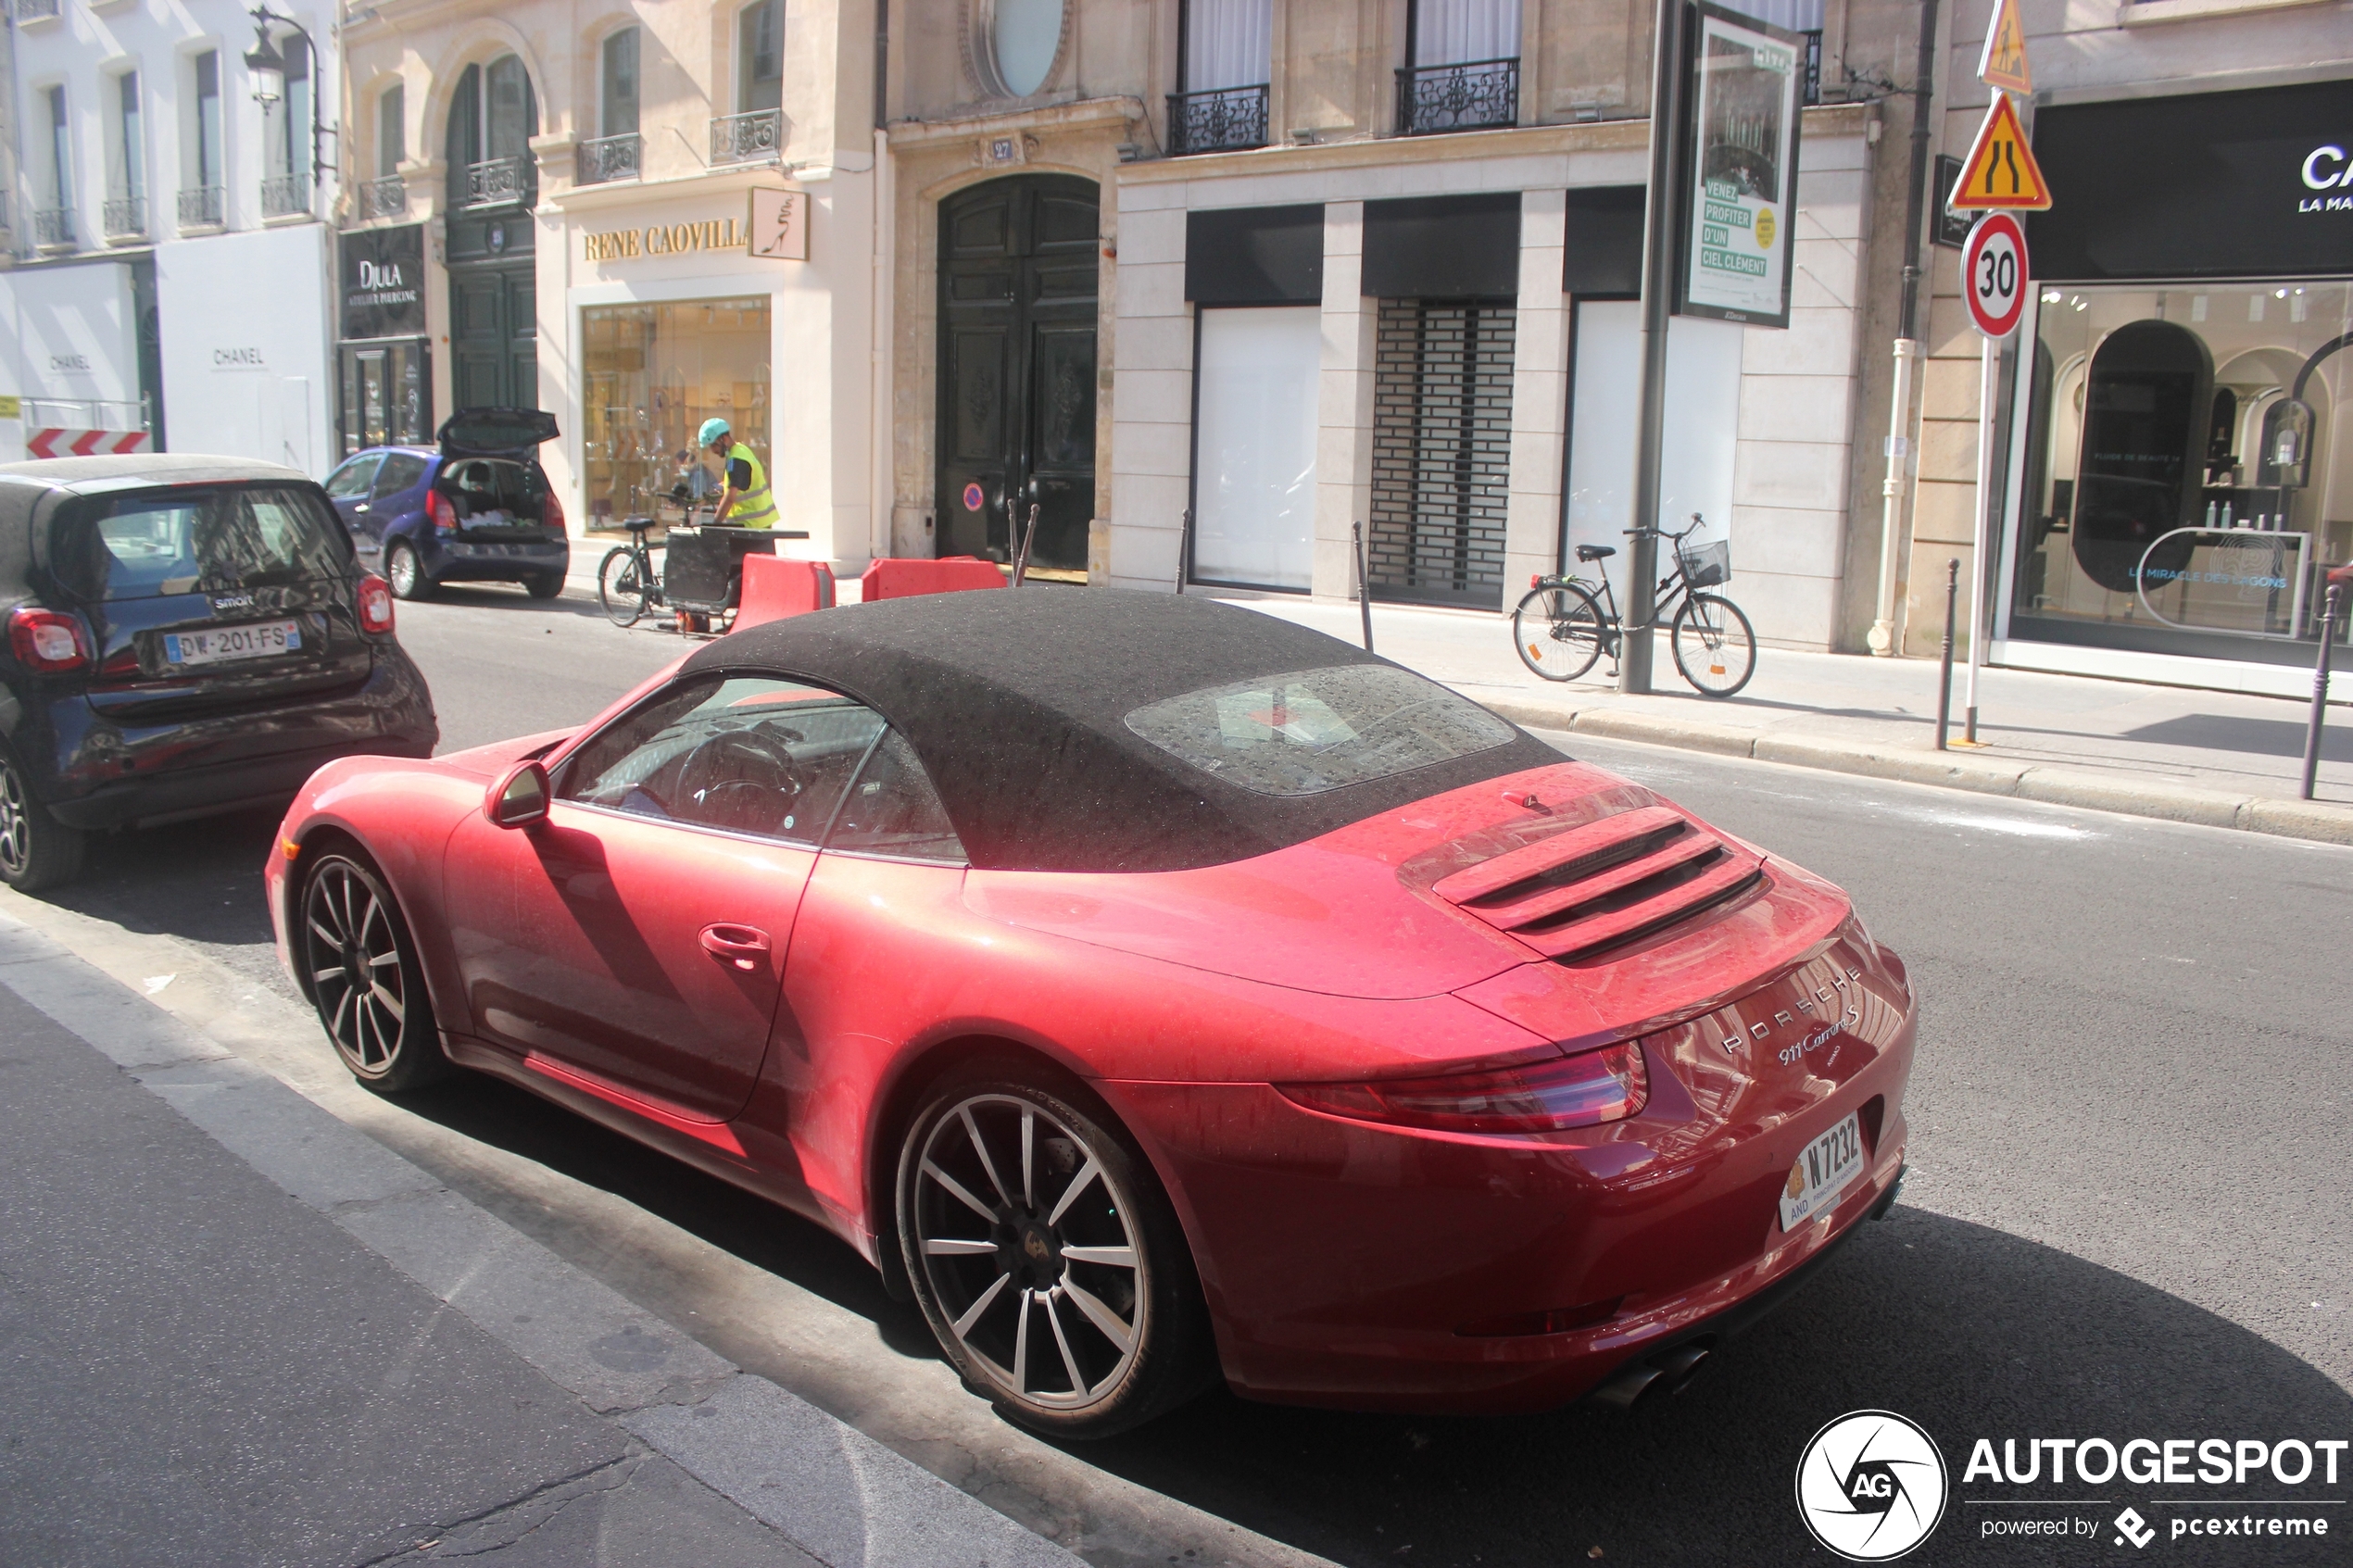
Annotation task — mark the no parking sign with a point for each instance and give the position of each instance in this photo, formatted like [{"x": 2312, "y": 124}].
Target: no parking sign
[{"x": 1994, "y": 274}]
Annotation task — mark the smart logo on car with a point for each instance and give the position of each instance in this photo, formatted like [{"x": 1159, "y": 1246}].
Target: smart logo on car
[{"x": 1871, "y": 1486}]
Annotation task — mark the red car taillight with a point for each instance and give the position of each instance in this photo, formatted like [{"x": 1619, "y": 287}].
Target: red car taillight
[
  {"x": 47, "y": 640},
  {"x": 1607, "y": 1085},
  {"x": 554, "y": 516},
  {"x": 444, "y": 515},
  {"x": 375, "y": 604}
]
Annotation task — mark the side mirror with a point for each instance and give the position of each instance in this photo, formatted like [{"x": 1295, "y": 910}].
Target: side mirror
[{"x": 520, "y": 797}]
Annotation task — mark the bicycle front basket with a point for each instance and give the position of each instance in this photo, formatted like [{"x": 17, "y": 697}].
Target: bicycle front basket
[{"x": 1704, "y": 566}]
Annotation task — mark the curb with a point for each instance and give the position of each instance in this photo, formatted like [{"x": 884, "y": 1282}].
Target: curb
[
  {"x": 2315, "y": 822},
  {"x": 823, "y": 1485}
]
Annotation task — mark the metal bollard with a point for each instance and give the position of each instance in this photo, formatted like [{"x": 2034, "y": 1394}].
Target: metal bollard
[
  {"x": 2321, "y": 687},
  {"x": 1364, "y": 584},
  {"x": 1185, "y": 550},
  {"x": 1029, "y": 537},
  {"x": 1944, "y": 681}
]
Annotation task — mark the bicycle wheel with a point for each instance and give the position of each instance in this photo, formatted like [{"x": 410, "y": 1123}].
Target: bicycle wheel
[
  {"x": 1714, "y": 646},
  {"x": 622, "y": 586},
  {"x": 1557, "y": 630}
]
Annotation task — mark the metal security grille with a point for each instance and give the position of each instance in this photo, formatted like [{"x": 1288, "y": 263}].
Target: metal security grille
[{"x": 1442, "y": 450}]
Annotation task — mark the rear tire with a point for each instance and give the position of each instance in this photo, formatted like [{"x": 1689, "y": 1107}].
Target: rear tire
[
  {"x": 547, "y": 585},
  {"x": 406, "y": 572},
  {"x": 621, "y": 586},
  {"x": 1557, "y": 630},
  {"x": 1715, "y": 646},
  {"x": 36, "y": 850},
  {"x": 359, "y": 965},
  {"x": 1066, "y": 1293}
]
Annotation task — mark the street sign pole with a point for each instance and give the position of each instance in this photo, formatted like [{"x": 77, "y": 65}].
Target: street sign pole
[
  {"x": 1660, "y": 226},
  {"x": 1993, "y": 282},
  {"x": 1980, "y": 538}
]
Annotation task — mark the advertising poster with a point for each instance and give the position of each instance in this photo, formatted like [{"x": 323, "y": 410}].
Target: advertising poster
[{"x": 1744, "y": 95}]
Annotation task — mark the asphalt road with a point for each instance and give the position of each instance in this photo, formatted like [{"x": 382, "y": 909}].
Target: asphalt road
[{"x": 2128, "y": 1213}]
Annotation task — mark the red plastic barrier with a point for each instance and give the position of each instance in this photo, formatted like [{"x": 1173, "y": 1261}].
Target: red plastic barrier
[
  {"x": 775, "y": 587},
  {"x": 895, "y": 579}
]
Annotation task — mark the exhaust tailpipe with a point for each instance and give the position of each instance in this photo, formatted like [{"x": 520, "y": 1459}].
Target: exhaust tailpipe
[{"x": 1644, "y": 1382}]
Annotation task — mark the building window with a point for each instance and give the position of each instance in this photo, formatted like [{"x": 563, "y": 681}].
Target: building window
[
  {"x": 60, "y": 150},
  {"x": 1442, "y": 450},
  {"x": 1223, "y": 76},
  {"x": 392, "y": 130},
  {"x": 2186, "y": 478},
  {"x": 1018, "y": 41},
  {"x": 131, "y": 155},
  {"x": 759, "y": 57},
  {"x": 207, "y": 169},
  {"x": 286, "y": 120},
  {"x": 1461, "y": 70},
  {"x": 651, "y": 374},
  {"x": 493, "y": 116},
  {"x": 617, "y": 97},
  {"x": 1254, "y": 446}
]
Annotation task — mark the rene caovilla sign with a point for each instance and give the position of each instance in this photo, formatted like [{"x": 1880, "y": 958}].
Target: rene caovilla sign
[
  {"x": 776, "y": 227},
  {"x": 1738, "y": 240}
]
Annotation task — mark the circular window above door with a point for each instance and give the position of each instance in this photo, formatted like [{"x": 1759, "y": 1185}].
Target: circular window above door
[{"x": 1016, "y": 44}]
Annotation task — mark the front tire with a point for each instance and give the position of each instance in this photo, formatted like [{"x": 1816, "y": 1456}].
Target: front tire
[
  {"x": 1557, "y": 630},
  {"x": 406, "y": 572},
  {"x": 36, "y": 850},
  {"x": 360, "y": 966},
  {"x": 620, "y": 585},
  {"x": 1045, "y": 1256},
  {"x": 1715, "y": 647}
]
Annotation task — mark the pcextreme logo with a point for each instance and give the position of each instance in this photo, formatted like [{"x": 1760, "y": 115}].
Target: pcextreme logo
[{"x": 1871, "y": 1486}]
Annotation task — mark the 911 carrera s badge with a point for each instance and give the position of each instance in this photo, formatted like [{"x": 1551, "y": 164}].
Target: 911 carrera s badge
[{"x": 1827, "y": 1011}]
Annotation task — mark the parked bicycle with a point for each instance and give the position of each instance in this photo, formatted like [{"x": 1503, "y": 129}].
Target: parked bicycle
[
  {"x": 1561, "y": 629},
  {"x": 628, "y": 583}
]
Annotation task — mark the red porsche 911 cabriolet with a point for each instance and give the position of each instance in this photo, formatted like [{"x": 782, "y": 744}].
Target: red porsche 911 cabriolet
[{"x": 1159, "y": 991}]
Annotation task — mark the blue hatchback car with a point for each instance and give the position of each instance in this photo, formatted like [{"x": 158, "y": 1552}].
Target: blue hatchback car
[{"x": 477, "y": 508}]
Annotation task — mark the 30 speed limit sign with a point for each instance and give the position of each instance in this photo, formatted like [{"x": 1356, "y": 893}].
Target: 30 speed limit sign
[{"x": 1994, "y": 274}]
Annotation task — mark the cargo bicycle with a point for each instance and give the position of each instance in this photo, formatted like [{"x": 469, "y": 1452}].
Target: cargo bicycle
[{"x": 1561, "y": 628}]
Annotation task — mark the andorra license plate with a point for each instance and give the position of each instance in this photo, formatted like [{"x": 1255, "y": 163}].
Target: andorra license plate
[
  {"x": 1824, "y": 1169},
  {"x": 222, "y": 644}
]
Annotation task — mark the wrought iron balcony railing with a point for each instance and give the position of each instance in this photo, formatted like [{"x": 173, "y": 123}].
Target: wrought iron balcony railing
[
  {"x": 39, "y": 10},
  {"x": 52, "y": 226},
  {"x": 203, "y": 205},
  {"x": 757, "y": 137},
  {"x": 1479, "y": 95},
  {"x": 608, "y": 157},
  {"x": 498, "y": 182},
  {"x": 124, "y": 216},
  {"x": 282, "y": 196},
  {"x": 388, "y": 197},
  {"x": 1221, "y": 121}
]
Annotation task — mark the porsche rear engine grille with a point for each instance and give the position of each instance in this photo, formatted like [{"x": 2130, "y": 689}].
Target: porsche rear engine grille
[{"x": 1605, "y": 884}]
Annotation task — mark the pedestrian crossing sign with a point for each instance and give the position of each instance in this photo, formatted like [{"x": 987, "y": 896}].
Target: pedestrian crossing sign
[
  {"x": 2000, "y": 171},
  {"x": 2003, "y": 65}
]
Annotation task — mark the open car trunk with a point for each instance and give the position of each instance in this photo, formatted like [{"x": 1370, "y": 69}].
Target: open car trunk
[{"x": 490, "y": 478}]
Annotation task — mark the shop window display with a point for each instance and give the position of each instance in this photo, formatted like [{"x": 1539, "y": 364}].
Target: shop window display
[
  {"x": 652, "y": 374},
  {"x": 2188, "y": 480}
]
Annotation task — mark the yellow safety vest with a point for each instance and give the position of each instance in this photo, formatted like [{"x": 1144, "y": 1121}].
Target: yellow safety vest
[{"x": 756, "y": 507}]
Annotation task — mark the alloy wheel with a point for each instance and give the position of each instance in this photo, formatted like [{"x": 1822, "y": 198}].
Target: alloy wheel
[
  {"x": 16, "y": 823},
  {"x": 402, "y": 570},
  {"x": 355, "y": 968},
  {"x": 1032, "y": 1251}
]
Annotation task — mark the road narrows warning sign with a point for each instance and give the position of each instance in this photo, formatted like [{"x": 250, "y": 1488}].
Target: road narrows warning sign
[
  {"x": 2003, "y": 65},
  {"x": 2000, "y": 171}
]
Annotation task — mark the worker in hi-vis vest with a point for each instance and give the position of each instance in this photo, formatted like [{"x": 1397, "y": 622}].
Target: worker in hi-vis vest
[{"x": 745, "y": 503}]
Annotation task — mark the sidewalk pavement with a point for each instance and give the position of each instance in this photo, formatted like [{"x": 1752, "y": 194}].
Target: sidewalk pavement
[
  {"x": 2215, "y": 757},
  {"x": 236, "y": 1329}
]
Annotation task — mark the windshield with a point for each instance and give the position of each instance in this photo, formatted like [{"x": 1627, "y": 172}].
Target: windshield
[
  {"x": 1316, "y": 730},
  {"x": 216, "y": 539}
]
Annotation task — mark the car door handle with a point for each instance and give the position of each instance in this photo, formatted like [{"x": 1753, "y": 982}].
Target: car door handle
[
  {"x": 360, "y": 507},
  {"x": 741, "y": 946}
]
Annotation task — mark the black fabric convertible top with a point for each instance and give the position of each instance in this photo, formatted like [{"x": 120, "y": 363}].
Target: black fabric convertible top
[{"x": 1016, "y": 703}]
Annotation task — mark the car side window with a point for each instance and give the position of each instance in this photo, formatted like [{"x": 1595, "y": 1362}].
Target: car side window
[
  {"x": 401, "y": 471},
  {"x": 350, "y": 482},
  {"x": 750, "y": 754},
  {"x": 893, "y": 810}
]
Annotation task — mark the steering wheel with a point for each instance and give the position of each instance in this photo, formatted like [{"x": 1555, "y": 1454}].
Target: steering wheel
[{"x": 741, "y": 779}]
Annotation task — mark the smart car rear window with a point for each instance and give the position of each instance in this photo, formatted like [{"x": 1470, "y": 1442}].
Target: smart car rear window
[
  {"x": 216, "y": 539},
  {"x": 1317, "y": 729}
]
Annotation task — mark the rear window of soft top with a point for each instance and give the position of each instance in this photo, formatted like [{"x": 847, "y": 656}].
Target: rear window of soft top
[
  {"x": 213, "y": 539},
  {"x": 1316, "y": 730}
]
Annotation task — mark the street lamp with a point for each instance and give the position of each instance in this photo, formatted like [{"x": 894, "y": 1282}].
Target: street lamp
[{"x": 268, "y": 67}]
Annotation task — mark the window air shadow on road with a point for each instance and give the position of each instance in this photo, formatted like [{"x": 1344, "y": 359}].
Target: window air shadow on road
[{"x": 199, "y": 880}]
